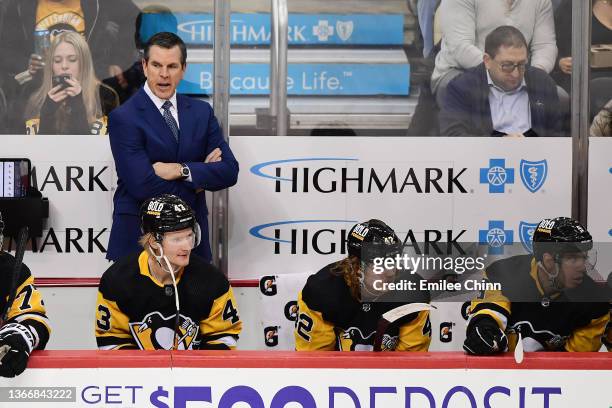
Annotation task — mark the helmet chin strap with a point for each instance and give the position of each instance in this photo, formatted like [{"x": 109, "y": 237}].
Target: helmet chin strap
[
  {"x": 166, "y": 266},
  {"x": 169, "y": 269},
  {"x": 362, "y": 285},
  {"x": 552, "y": 277}
]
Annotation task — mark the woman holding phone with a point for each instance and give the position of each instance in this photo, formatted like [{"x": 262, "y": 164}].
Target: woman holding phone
[{"x": 71, "y": 100}]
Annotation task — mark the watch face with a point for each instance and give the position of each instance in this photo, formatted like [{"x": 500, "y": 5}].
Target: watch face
[{"x": 185, "y": 171}]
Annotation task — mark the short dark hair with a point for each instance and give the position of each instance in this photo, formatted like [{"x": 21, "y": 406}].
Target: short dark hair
[
  {"x": 166, "y": 40},
  {"x": 504, "y": 36}
]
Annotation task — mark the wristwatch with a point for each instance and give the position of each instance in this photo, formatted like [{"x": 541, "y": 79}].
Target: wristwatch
[{"x": 185, "y": 173}]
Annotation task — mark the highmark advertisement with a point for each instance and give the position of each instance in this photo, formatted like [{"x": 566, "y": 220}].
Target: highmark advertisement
[
  {"x": 305, "y": 79},
  {"x": 311, "y": 191},
  {"x": 303, "y": 29},
  {"x": 307, "y": 388}
]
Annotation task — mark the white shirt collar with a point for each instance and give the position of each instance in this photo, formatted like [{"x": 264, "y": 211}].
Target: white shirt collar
[
  {"x": 158, "y": 101},
  {"x": 522, "y": 86}
]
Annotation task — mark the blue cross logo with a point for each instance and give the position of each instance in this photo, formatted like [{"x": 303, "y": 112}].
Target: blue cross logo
[
  {"x": 497, "y": 175},
  {"x": 496, "y": 237}
]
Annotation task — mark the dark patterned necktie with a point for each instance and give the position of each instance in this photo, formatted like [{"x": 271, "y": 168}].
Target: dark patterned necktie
[{"x": 170, "y": 119}]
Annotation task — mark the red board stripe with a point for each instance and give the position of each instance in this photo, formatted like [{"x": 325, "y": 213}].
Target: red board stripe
[
  {"x": 94, "y": 282},
  {"x": 287, "y": 359}
]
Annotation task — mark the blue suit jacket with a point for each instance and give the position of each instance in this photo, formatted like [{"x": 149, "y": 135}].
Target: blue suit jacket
[
  {"x": 139, "y": 137},
  {"x": 466, "y": 111}
]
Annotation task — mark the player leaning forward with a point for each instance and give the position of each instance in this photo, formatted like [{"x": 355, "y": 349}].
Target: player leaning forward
[
  {"x": 166, "y": 297},
  {"x": 23, "y": 322},
  {"x": 340, "y": 307},
  {"x": 547, "y": 301}
]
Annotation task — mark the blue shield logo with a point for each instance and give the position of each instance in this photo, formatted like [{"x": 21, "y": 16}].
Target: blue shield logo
[
  {"x": 526, "y": 230},
  {"x": 534, "y": 174}
]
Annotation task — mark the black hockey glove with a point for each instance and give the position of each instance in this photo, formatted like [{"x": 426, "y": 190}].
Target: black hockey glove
[
  {"x": 484, "y": 337},
  {"x": 16, "y": 343}
]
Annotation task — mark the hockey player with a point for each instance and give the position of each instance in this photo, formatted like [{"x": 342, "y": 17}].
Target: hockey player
[
  {"x": 547, "y": 301},
  {"x": 23, "y": 322},
  {"x": 166, "y": 297},
  {"x": 340, "y": 308}
]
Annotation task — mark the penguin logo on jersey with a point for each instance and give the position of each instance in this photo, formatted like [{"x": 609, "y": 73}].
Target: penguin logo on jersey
[
  {"x": 389, "y": 342},
  {"x": 157, "y": 332},
  {"x": 358, "y": 341},
  {"x": 538, "y": 340}
]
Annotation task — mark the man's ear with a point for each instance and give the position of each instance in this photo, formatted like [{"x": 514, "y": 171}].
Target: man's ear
[
  {"x": 486, "y": 58},
  {"x": 153, "y": 243}
]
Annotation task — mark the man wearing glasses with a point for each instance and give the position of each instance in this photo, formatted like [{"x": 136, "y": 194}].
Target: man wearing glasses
[{"x": 503, "y": 96}]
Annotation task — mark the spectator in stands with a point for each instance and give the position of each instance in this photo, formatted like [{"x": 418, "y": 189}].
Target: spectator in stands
[
  {"x": 341, "y": 306},
  {"x": 166, "y": 297},
  {"x": 164, "y": 142},
  {"x": 503, "y": 96},
  {"x": 150, "y": 21},
  {"x": 601, "y": 33},
  {"x": 466, "y": 23},
  {"x": 23, "y": 322},
  {"x": 602, "y": 124},
  {"x": 107, "y": 25},
  {"x": 425, "y": 11},
  {"x": 71, "y": 100},
  {"x": 547, "y": 300}
]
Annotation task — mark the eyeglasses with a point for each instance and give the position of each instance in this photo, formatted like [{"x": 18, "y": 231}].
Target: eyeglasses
[{"x": 509, "y": 67}]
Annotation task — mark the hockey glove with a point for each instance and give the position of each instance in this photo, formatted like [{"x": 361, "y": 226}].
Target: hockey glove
[
  {"x": 484, "y": 337},
  {"x": 16, "y": 343}
]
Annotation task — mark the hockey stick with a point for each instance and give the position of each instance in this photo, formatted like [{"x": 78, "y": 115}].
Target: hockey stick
[
  {"x": 22, "y": 239},
  {"x": 393, "y": 316}
]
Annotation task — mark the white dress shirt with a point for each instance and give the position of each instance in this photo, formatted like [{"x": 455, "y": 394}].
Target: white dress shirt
[
  {"x": 159, "y": 102},
  {"x": 510, "y": 112}
]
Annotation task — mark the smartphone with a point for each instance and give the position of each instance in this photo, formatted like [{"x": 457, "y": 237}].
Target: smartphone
[
  {"x": 15, "y": 176},
  {"x": 60, "y": 80}
]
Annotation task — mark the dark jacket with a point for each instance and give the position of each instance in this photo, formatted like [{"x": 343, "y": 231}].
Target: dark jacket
[
  {"x": 109, "y": 31},
  {"x": 69, "y": 117},
  {"x": 139, "y": 137},
  {"x": 466, "y": 110}
]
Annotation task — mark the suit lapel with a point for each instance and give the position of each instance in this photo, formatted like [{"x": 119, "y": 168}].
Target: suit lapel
[
  {"x": 485, "y": 108},
  {"x": 187, "y": 123},
  {"x": 154, "y": 117}
]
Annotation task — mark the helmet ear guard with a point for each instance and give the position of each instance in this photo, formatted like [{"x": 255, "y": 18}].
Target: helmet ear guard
[{"x": 198, "y": 234}]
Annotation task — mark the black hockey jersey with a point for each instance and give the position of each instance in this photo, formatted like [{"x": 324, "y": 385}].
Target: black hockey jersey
[
  {"x": 27, "y": 307},
  {"x": 329, "y": 318},
  {"x": 136, "y": 311},
  {"x": 570, "y": 320}
]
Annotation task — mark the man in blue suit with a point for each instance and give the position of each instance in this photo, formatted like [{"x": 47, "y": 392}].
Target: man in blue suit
[{"x": 163, "y": 142}]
